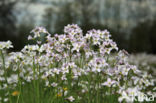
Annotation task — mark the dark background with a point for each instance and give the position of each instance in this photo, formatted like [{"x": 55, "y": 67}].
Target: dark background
[{"x": 132, "y": 23}]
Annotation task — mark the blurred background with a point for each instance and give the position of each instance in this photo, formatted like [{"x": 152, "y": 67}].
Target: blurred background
[{"x": 132, "y": 23}]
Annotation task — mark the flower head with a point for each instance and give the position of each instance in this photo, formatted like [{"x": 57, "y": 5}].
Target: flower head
[
  {"x": 5, "y": 45},
  {"x": 15, "y": 93},
  {"x": 37, "y": 32},
  {"x": 109, "y": 82},
  {"x": 71, "y": 99}
]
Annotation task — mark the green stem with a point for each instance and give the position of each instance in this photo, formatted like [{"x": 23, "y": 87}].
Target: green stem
[
  {"x": 19, "y": 85},
  {"x": 3, "y": 61},
  {"x": 110, "y": 95},
  {"x": 19, "y": 93},
  {"x": 97, "y": 88},
  {"x": 89, "y": 90},
  {"x": 38, "y": 84},
  {"x": 9, "y": 96},
  {"x": 34, "y": 82},
  {"x": 57, "y": 89}
]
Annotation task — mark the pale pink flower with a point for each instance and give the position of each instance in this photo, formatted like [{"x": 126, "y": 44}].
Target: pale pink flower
[{"x": 109, "y": 82}]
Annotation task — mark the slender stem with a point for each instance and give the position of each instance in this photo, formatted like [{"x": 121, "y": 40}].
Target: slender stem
[
  {"x": 57, "y": 89},
  {"x": 3, "y": 61},
  {"x": 110, "y": 94},
  {"x": 10, "y": 96},
  {"x": 38, "y": 83},
  {"x": 34, "y": 83},
  {"x": 98, "y": 88},
  {"x": 89, "y": 89},
  {"x": 19, "y": 85},
  {"x": 19, "y": 93},
  {"x": 1, "y": 90}
]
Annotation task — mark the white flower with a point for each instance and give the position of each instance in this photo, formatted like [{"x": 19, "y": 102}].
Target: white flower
[
  {"x": 37, "y": 32},
  {"x": 63, "y": 77},
  {"x": 109, "y": 82},
  {"x": 13, "y": 79},
  {"x": 135, "y": 69},
  {"x": 88, "y": 36},
  {"x": 54, "y": 84},
  {"x": 6, "y": 99},
  {"x": 132, "y": 91},
  {"x": 96, "y": 41},
  {"x": 55, "y": 70},
  {"x": 30, "y": 37},
  {"x": 65, "y": 69},
  {"x": 5, "y": 45},
  {"x": 124, "y": 96},
  {"x": 71, "y": 99},
  {"x": 76, "y": 46},
  {"x": 47, "y": 83},
  {"x": 31, "y": 48},
  {"x": 123, "y": 69},
  {"x": 96, "y": 69},
  {"x": 73, "y": 29}
]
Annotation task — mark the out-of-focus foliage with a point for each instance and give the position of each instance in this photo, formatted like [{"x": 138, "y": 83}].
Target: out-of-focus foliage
[
  {"x": 143, "y": 38},
  {"x": 9, "y": 29},
  {"x": 23, "y": 29},
  {"x": 145, "y": 61},
  {"x": 7, "y": 20}
]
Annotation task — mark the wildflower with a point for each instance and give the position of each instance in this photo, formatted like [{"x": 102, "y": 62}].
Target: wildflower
[
  {"x": 123, "y": 70},
  {"x": 42, "y": 48},
  {"x": 76, "y": 46},
  {"x": 47, "y": 83},
  {"x": 114, "y": 45},
  {"x": 6, "y": 99},
  {"x": 73, "y": 29},
  {"x": 88, "y": 36},
  {"x": 71, "y": 59},
  {"x": 12, "y": 79},
  {"x": 31, "y": 48},
  {"x": 63, "y": 77},
  {"x": 96, "y": 69},
  {"x": 96, "y": 41},
  {"x": 135, "y": 69},
  {"x": 54, "y": 84},
  {"x": 5, "y": 45},
  {"x": 16, "y": 56},
  {"x": 132, "y": 91},
  {"x": 124, "y": 97},
  {"x": 37, "y": 32},
  {"x": 65, "y": 69},
  {"x": 30, "y": 37},
  {"x": 109, "y": 82},
  {"x": 56, "y": 70},
  {"x": 62, "y": 38},
  {"x": 65, "y": 88},
  {"x": 71, "y": 99},
  {"x": 59, "y": 94},
  {"x": 15, "y": 93}
]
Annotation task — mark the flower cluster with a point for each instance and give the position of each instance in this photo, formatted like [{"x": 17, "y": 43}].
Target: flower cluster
[
  {"x": 73, "y": 67},
  {"x": 5, "y": 45},
  {"x": 145, "y": 61}
]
